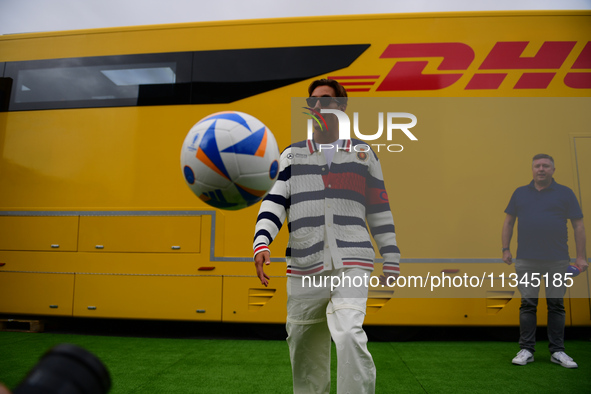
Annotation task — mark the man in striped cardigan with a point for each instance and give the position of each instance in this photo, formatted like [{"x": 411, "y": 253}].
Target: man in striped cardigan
[{"x": 329, "y": 190}]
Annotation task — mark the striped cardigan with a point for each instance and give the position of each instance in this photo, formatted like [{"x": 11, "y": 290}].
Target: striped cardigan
[{"x": 327, "y": 210}]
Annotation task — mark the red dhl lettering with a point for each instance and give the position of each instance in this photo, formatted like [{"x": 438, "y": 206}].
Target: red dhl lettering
[{"x": 408, "y": 75}]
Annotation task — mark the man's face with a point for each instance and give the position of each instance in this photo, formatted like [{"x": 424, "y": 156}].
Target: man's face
[
  {"x": 542, "y": 169},
  {"x": 331, "y": 119}
]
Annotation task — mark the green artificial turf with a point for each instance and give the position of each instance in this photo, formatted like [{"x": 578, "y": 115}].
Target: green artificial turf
[{"x": 195, "y": 365}]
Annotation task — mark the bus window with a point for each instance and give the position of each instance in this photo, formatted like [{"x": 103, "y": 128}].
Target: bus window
[
  {"x": 107, "y": 81},
  {"x": 202, "y": 77}
]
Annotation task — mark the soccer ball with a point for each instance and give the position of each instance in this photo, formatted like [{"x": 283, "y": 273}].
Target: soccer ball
[{"x": 230, "y": 160}]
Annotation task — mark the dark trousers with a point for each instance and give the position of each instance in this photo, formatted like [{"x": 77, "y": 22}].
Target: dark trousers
[{"x": 555, "y": 288}]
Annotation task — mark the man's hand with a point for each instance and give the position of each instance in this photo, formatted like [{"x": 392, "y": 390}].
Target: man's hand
[
  {"x": 386, "y": 280},
  {"x": 507, "y": 257},
  {"x": 261, "y": 259},
  {"x": 581, "y": 263},
  {"x": 580, "y": 242},
  {"x": 506, "y": 236}
]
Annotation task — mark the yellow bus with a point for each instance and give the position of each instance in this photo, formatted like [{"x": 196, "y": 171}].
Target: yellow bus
[{"x": 96, "y": 219}]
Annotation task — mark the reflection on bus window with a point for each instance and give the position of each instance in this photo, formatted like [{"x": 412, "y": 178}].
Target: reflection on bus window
[
  {"x": 107, "y": 81},
  {"x": 89, "y": 83}
]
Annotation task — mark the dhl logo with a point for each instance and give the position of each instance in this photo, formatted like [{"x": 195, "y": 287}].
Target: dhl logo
[{"x": 539, "y": 70}]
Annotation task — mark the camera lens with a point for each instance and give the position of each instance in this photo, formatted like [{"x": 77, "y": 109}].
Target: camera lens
[{"x": 66, "y": 369}]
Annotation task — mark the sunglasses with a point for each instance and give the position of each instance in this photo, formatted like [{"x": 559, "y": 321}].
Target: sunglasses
[{"x": 324, "y": 101}]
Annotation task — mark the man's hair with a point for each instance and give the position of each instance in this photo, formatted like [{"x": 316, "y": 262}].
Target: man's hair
[
  {"x": 543, "y": 156},
  {"x": 339, "y": 90}
]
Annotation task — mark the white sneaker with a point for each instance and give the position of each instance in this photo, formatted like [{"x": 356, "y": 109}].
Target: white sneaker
[
  {"x": 563, "y": 359},
  {"x": 523, "y": 357}
]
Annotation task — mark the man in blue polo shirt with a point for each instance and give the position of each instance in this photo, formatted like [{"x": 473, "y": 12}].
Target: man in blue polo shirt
[{"x": 543, "y": 208}]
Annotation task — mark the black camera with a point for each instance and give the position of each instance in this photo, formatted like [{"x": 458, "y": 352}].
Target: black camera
[{"x": 66, "y": 369}]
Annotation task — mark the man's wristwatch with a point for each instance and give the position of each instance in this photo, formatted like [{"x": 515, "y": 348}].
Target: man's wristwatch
[{"x": 505, "y": 249}]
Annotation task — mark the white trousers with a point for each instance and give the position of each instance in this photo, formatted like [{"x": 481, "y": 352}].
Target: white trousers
[{"x": 316, "y": 314}]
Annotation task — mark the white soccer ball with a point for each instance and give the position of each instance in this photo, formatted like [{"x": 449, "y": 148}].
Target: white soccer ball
[{"x": 230, "y": 160}]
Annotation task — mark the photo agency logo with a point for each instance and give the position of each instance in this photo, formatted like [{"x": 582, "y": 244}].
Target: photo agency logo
[{"x": 393, "y": 124}]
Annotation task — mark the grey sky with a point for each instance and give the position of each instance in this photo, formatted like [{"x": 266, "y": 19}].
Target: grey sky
[{"x": 21, "y": 16}]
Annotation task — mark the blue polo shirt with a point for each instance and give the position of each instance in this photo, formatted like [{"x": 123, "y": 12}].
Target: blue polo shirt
[{"x": 542, "y": 220}]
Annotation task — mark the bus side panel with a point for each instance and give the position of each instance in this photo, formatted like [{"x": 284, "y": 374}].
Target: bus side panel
[{"x": 490, "y": 90}]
